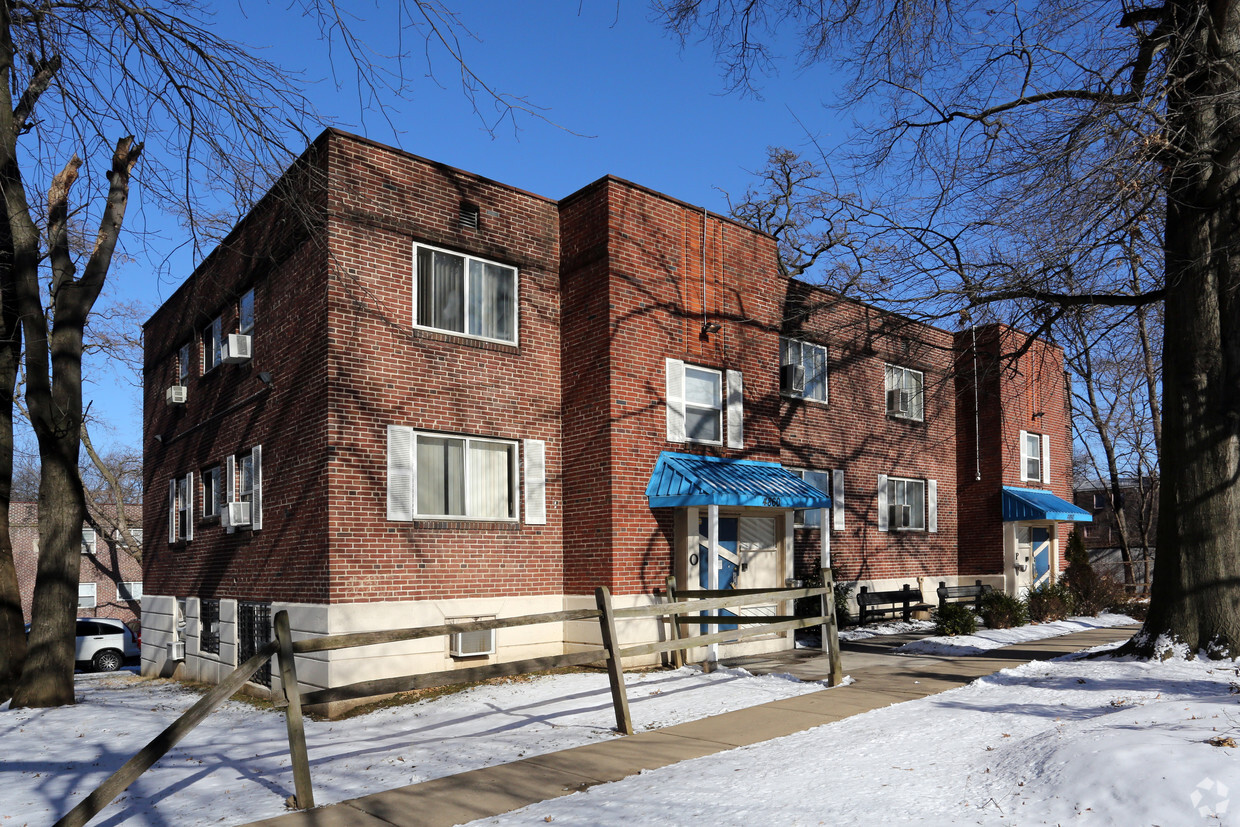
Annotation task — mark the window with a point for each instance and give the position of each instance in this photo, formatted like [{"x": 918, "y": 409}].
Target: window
[
  {"x": 211, "y": 492},
  {"x": 253, "y": 633},
  {"x": 183, "y": 365},
  {"x": 181, "y": 509},
  {"x": 810, "y": 517},
  {"x": 906, "y": 504},
  {"x": 1100, "y": 502},
  {"x": 435, "y": 476},
  {"x": 1035, "y": 457},
  {"x": 209, "y": 626},
  {"x": 88, "y": 541},
  {"x": 243, "y": 483},
  {"x": 246, "y": 313},
  {"x": 466, "y": 295},
  {"x": 904, "y": 392},
  {"x": 135, "y": 533},
  {"x": 245, "y": 492},
  {"x": 129, "y": 591},
  {"x": 703, "y": 405},
  {"x": 813, "y": 361},
  {"x": 211, "y": 337},
  {"x": 86, "y": 595}
]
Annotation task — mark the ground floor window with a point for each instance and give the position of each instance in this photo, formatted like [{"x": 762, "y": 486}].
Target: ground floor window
[
  {"x": 86, "y": 596},
  {"x": 253, "y": 633},
  {"x": 209, "y": 626},
  {"x": 907, "y": 503}
]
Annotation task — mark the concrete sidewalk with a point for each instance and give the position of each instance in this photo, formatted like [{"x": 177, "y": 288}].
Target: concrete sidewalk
[{"x": 881, "y": 679}]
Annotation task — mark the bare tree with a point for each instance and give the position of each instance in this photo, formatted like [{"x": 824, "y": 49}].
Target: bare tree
[{"x": 1020, "y": 153}]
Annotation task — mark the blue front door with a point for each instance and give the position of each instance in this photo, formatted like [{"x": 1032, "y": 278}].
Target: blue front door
[
  {"x": 729, "y": 558},
  {"x": 1041, "y": 541}
]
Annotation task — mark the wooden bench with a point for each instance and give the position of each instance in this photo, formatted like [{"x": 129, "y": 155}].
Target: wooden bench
[
  {"x": 963, "y": 594},
  {"x": 905, "y": 601}
]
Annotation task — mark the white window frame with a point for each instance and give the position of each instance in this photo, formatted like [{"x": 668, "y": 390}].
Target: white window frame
[
  {"x": 246, "y": 325},
  {"x": 898, "y": 378},
  {"x": 1040, "y": 455},
  {"x": 236, "y": 489},
  {"x": 513, "y": 481},
  {"x": 718, "y": 410},
  {"x": 211, "y": 478},
  {"x": 402, "y": 462},
  {"x": 181, "y": 509},
  {"x": 465, "y": 320},
  {"x": 817, "y": 355},
  {"x": 183, "y": 364},
  {"x": 90, "y": 541},
  {"x": 212, "y": 344},
  {"x": 897, "y": 486},
  {"x": 134, "y": 587},
  {"x": 811, "y": 517},
  {"x": 91, "y": 589}
]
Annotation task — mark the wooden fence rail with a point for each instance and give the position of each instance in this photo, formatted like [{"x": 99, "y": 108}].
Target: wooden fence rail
[{"x": 611, "y": 655}]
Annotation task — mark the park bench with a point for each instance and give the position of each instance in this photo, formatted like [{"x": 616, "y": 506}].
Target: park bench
[
  {"x": 903, "y": 601},
  {"x": 963, "y": 594}
]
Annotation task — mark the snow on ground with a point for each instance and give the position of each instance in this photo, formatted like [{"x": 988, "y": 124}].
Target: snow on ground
[
  {"x": 1081, "y": 742},
  {"x": 234, "y": 768},
  {"x": 894, "y": 627},
  {"x": 988, "y": 639}
]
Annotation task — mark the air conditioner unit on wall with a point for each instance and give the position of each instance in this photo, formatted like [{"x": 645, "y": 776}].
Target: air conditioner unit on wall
[
  {"x": 238, "y": 514},
  {"x": 792, "y": 379},
  {"x": 176, "y": 395},
  {"x": 236, "y": 349},
  {"x": 898, "y": 401},
  {"x": 176, "y": 650},
  {"x": 472, "y": 644}
]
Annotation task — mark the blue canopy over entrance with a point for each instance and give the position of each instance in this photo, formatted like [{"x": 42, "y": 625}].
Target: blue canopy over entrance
[
  {"x": 1037, "y": 504},
  {"x": 689, "y": 480}
]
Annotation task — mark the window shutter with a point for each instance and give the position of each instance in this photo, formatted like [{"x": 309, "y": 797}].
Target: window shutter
[
  {"x": 172, "y": 512},
  {"x": 402, "y": 494},
  {"x": 932, "y": 505},
  {"x": 535, "y": 482},
  {"x": 837, "y": 500},
  {"x": 189, "y": 506},
  {"x": 256, "y": 501},
  {"x": 675, "y": 400},
  {"x": 230, "y": 489},
  {"x": 882, "y": 502},
  {"x": 820, "y": 363},
  {"x": 1024, "y": 456},
  {"x": 1046, "y": 458},
  {"x": 736, "y": 409}
]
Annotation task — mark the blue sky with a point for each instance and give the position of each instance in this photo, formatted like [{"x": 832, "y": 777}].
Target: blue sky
[{"x": 632, "y": 104}]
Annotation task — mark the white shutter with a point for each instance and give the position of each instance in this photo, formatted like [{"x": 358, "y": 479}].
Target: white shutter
[
  {"x": 1046, "y": 458},
  {"x": 1024, "y": 456},
  {"x": 837, "y": 500},
  {"x": 172, "y": 512},
  {"x": 882, "y": 502},
  {"x": 256, "y": 498},
  {"x": 230, "y": 490},
  {"x": 189, "y": 506},
  {"x": 535, "y": 482},
  {"x": 675, "y": 400},
  {"x": 401, "y": 480},
  {"x": 736, "y": 410},
  {"x": 932, "y": 505}
]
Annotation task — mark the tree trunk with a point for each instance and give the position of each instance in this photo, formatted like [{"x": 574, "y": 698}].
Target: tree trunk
[
  {"x": 12, "y": 631},
  {"x": 1196, "y": 592}
]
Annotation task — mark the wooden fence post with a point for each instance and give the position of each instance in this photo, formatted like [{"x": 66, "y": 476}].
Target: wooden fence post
[
  {"x": 607, "y": 624},
  {"x": 678, "y": 655},
  {"x": 830, "y": 631},
  {"x": 303, "y": 791}
]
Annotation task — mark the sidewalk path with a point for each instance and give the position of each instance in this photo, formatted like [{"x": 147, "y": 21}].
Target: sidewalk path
[{"x": 881, "y": 679}]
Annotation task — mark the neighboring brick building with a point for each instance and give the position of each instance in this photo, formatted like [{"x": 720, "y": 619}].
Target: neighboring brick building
[
  {"x": 1139, "y": 501},
  {"x": 447, "y": 400},
  {"x": 110, "y": 577}
]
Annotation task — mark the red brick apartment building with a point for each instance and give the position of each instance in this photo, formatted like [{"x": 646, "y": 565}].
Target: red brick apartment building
[{"x": 409, "y": 394}]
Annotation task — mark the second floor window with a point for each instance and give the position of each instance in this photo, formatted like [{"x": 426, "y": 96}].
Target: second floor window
[
  {"x": 211, "y": 492},
  {"x": 245, "y": 322},
  {"x": 904, "y": 387},
  {"x": 467, "y": 295},
  {"x": 812, "y": 359},
  {"x": 211, "y": 336},
  {"x": 703, "y": 405},
  {"x": 183, "y": 365}
]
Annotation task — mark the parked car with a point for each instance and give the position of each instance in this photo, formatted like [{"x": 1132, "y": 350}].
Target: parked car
[{"x": 104, "y": 643}]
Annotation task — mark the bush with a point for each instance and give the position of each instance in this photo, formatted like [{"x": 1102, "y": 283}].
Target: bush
[
  {"x": 955, "y": 619},
  {"x": 1050, "y": 601},
  {"x": 1091, "y": 593},
  {"x": 1002, "y": 611},
  {"x": 1136, "y": 609},
  {"x": 811, "y": 606}
]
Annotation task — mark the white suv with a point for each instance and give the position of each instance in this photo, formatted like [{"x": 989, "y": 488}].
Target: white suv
[{"x": 104, "y": 643}]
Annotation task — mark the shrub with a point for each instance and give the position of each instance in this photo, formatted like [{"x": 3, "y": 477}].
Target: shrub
[
  {"x": 1136, "y": 609},
  {"x": 1050, "y": 601},
  {"x": 810, "y": 606},
  {"x": 1091, "y": 593},
  {"x": 955, "y": 619},
  {"x": 1002, "y": 611}
]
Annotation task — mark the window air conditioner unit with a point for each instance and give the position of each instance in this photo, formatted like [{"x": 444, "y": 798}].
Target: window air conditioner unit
[
  {"x": 237, "y": 514},
  {"x": 473, "y": 644},
  {"x": 236, "y": 349},
  {"x": 176, "y": 395},
  {"x": 176, "y": 650},
  {"x": 792, "y": 378},
  {"x": 898, "y": 401}
]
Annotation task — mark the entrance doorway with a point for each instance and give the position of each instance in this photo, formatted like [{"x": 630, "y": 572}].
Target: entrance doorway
[{"x": 749, "y": 558}]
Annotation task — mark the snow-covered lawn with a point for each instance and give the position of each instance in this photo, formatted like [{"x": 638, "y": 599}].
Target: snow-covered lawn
[
  {"x": 988, "y": 639},
  {"x": 234, "y": 768},
  {"x": 1082, "y": 742}
]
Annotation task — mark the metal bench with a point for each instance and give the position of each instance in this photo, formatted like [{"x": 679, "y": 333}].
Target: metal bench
[
  {"x": 904, "y": 601},
  {"x": 963, "y": 594}
]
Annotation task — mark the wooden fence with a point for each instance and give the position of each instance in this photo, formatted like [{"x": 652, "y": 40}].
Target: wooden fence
[{"x": 677, "y": 610}]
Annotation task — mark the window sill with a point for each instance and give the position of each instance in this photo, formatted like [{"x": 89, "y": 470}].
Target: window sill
[
  {"x": 468, "y": 525},
  {"x": 792, "y": 397},
  {"x": 909, "y": 419},
  {"x": 465, "y": 339}
]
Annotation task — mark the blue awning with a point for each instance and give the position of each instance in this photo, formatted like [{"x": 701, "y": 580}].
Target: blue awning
[
  {"x": 1037, "y": 504},
  {"x": 687, "y": 479}
]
